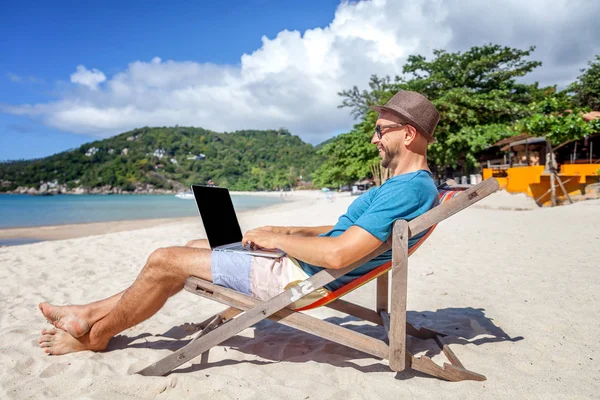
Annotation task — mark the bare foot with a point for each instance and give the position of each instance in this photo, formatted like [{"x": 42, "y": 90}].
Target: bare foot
[
  {"x": 57, "y": 342},
  {"x": 67, "y": 318}
]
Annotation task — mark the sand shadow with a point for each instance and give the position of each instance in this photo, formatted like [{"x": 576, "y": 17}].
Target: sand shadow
[
  {"x": 465, "y": 325},
  {"x": 462, "y": 325},
  {"x": 120, "y": 342}
]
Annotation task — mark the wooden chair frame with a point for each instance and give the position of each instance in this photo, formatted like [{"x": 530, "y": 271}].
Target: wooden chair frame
[{"x": 245, "y": 311}]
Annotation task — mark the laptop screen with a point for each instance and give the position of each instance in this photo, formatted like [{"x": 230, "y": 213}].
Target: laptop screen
[{"x": 218, "y": 215}]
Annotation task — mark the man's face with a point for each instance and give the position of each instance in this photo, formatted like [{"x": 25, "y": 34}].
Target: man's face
[{"x": 389, "y": 145}]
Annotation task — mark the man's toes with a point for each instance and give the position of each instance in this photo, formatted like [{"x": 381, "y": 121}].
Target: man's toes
[
  {"x": 45, "y": 345},
  {"x": 42, "y": 307},
  {"x": 51, "y": 331},
  {"x": 46, "y": 338}
]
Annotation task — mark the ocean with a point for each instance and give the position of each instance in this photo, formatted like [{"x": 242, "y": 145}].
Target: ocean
[{"x": 19, "y": 211}]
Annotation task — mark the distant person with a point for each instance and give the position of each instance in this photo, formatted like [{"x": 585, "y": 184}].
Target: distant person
[{"x": 404, "y": 128}]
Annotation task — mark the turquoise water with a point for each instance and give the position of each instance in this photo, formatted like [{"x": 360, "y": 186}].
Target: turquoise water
[{"x": 18, "y": 211}]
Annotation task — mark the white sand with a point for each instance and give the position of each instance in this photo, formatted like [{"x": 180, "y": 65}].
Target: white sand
[{"x": 518, "y": 290}]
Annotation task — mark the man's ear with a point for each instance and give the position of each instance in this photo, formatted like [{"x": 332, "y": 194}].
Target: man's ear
[{"x": 411, "y": 134}]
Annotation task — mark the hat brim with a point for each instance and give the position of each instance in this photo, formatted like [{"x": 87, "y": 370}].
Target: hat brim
[{"x": 405, "y": 118}]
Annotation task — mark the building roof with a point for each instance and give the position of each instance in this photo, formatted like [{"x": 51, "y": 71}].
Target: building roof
[
  {"x": 512, "y": 139},
  {"x": 592, "y": 115},
  {"x": 529, "y": 140}
]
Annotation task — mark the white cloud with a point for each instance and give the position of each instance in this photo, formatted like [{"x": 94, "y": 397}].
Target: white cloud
[
  {"x": 90, "y": 78},
  {"x": 23, "y": 79},
  {"x": 293, "y": 79},
  {"x": 14, "y": 78}
]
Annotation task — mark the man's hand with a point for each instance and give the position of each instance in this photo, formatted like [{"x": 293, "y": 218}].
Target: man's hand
[
  {"x": 284, "y": 230},
  {"x": 262, "y": 238}
]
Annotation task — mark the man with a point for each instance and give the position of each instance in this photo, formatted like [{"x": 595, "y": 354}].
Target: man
[{"x": 404, "y": 129}]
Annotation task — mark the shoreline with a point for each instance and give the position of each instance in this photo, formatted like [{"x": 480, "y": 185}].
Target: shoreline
[
  {"x": 37, "y": 234},
  {"x": 70, "y": 231}
]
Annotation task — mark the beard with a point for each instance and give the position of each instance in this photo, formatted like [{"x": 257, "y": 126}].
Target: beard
[{"x": 388, "y": 156}]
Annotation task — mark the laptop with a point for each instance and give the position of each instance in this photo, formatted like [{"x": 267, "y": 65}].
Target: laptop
[{"x": 220, "y": 222}]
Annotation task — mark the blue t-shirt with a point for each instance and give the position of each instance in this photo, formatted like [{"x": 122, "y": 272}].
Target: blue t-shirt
[{"x": 404, "y": 196}]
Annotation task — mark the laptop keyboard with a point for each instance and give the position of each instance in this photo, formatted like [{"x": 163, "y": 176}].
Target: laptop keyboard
[{"x": 236, "y": 246}]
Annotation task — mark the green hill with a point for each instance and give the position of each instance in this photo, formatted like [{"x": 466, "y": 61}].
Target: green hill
[{"x": 171, "y": 159}]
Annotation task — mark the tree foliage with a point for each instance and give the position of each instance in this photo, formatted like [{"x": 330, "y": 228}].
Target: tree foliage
[
  {"x": 242, "y": 160},
  {"x": 348, "y": 156},
  {"x": 586, "y": 89},
  {"x": 477, "y": 93},
  {"x": 555, "y": 119}
]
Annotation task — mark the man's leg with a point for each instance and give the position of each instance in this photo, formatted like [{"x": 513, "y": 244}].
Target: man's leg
[
  {"x": 169, "y": 266},
  {"x": 78, "y": 319}
]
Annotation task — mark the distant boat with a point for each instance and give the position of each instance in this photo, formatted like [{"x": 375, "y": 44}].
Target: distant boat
[{"x": 185, "y": 196}]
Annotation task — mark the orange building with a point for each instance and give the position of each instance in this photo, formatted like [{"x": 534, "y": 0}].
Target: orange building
[{"x": 518, "y": 163}]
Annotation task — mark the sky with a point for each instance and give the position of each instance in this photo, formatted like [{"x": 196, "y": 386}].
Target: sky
[{"x": 72, "y": 72}]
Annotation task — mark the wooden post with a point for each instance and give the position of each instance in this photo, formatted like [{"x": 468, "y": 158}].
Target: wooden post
[
  {"x": 550, "y": 167},
  {"x": 382, "y": 293},
  {"x": 564, "y": 190},
  {"x": 552, "y": 189},
  {"x": 397, "y": 334}
]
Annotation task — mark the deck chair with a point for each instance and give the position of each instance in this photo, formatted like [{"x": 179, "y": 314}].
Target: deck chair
[{"x": 245, "y": 311}]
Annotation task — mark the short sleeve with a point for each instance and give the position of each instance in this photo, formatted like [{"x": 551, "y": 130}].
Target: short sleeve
[{"x": 388, "y": 205}]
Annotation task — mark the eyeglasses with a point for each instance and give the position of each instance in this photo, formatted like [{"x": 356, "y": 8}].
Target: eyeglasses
[{"x": 379, "y": 128}]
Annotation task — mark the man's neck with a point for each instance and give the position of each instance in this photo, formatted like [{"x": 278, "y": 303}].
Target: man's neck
[{"x": 413, "y": 162}]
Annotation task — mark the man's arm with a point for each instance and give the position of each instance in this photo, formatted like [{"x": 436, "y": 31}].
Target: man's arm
[
  {"x": 327, "y": 252},
  {"x": 306, "y": 231}
]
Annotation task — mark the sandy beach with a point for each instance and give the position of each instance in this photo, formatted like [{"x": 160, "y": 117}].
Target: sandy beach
[{"x": 515, "y": 286}]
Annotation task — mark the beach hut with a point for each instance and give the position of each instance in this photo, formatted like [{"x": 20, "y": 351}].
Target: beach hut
[
  {"x": 521, "y": 164},
  {"x": 361, "y": 186}
]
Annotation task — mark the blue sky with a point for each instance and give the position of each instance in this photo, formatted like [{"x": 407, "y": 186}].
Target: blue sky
[
  {"x": 72, "y": 72},
  {"x": 43, "y": 42}
]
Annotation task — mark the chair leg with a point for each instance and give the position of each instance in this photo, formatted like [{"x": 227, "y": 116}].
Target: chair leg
[
  {"x": 356, "y": 310},
  {"x": 226, "y": 314},
  {"x": 448, "y": 372},
  {"x": 212, "y": 323},
  {"x": 215, "y": 322},
  {"x": 453, "y": 372},
  {"x": 397, "y": 334},
  {"x": 187, "y": 351},
  {"x": 382, "y": 293},
  {"x": 448, "y": 352}
]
